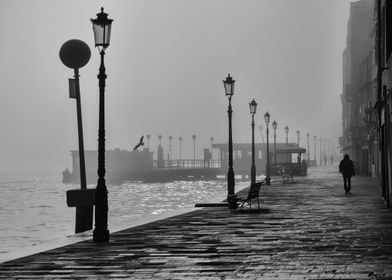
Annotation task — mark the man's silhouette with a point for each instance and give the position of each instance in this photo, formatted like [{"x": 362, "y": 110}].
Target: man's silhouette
[{"x": 346, "y": 167}]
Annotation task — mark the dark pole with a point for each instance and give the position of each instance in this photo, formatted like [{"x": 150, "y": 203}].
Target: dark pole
[
  {"x": 180, "y": 140},
  {"x": 325, "y": 151},
  {"x": 287, "y": 142},
  {"x": 194, "y": 151},
  {"x": 83, "y": 184},
  {"x": 314, "y": 143},
  {"x": 275, "y": 146},
  {"x": 170, "y": 146},
  {"x": 268, "y": 178},
  {"x": 101, "y": 232},
  {"x": 253, "y": 167},
  {"x": 75, "y": 54},
  {"x": 230, "y": 174},
  {"x": 308, "y": 157},
  {"x": 321, "y": 140}
]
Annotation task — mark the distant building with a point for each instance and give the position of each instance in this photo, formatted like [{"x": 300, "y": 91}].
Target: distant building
[{"x": 358, "y": 86}]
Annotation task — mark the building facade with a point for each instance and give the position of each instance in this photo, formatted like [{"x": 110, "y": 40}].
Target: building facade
[{"x": 367, "y": 84}]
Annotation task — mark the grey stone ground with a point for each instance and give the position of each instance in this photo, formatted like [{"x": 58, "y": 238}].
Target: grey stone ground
[{"x": 312, "y": 231}]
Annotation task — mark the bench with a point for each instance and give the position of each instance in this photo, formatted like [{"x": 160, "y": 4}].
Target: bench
[{"x": 252, "y": 195}]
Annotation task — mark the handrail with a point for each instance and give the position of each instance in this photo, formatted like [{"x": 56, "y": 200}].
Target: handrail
[{"x": 182, "y": 164}]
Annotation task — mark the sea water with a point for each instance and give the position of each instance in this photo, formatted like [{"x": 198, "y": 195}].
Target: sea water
[{"x": 33, "y": 209}]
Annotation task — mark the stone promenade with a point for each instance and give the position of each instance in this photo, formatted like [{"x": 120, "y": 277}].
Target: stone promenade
[{"x": 313, "y": 230}]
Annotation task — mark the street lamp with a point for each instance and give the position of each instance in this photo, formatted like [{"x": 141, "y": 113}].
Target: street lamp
[
  {"x": 298, "y": 134},
  {"x": 274, "y": 126},
  {"x": 252, "y": 108},
  {"x": 229, "y": 91},
  {"x": 102, "y": 26},
  {"x": 194, "y": 150},
  {"x": 267, "y": 177}
]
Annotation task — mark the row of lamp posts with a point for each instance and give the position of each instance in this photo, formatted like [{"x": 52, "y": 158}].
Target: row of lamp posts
[
  {"x": 229, "y": 91},
  {"x": 253, "y": 107}
]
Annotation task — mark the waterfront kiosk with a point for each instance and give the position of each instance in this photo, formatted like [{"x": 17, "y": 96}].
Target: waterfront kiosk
[{"x": 288, "y": 156}]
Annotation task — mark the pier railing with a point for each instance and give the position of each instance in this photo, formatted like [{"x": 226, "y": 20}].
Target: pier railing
[{"x": 183, "y": 164}]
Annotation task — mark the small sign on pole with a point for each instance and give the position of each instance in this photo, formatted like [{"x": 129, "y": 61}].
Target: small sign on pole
[{"x": 72, "y": 88}]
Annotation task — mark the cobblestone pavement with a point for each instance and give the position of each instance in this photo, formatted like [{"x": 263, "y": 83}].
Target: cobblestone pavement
[{"x": 311, "y": 231}]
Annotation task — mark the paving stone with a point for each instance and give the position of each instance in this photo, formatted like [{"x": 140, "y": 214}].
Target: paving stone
[{"x": 311, "y": 231}]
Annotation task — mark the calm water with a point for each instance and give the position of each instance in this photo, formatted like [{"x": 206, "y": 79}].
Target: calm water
[{"x": 33, "y": 211}]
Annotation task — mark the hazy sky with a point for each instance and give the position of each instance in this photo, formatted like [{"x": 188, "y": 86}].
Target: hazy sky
[{"x": 165, "y": 67}]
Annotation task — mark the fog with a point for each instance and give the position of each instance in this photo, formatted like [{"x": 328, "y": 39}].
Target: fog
[{"x": 165, "y": 67}]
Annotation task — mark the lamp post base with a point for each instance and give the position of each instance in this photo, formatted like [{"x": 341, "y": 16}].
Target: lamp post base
[
  {"x": 100, "y": 235},
  {"x": 268, "y": 181},
  {"x": 232, "y": 201}
]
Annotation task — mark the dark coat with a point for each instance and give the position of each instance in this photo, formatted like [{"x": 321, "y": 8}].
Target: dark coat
[{"x": 346, "y": 167}]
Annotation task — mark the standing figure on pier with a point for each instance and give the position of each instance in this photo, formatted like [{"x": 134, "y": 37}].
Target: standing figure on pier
[{"x": 346, "y": 167}]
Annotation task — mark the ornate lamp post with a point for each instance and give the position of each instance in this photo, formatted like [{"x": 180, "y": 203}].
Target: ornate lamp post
[
  {"x": 267, "y": 177},
  {"x": 274, "y": 126},
  {"x": 229, "y": 91},
  {"x": 298, "y": 134},
  {"x": 194, "y": 150},
  {"x": 252, "y": 108},
  {"x": 102, "y": 27}
]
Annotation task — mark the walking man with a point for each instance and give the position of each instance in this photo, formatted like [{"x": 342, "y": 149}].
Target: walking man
[{"x": 346, "y": 167}]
